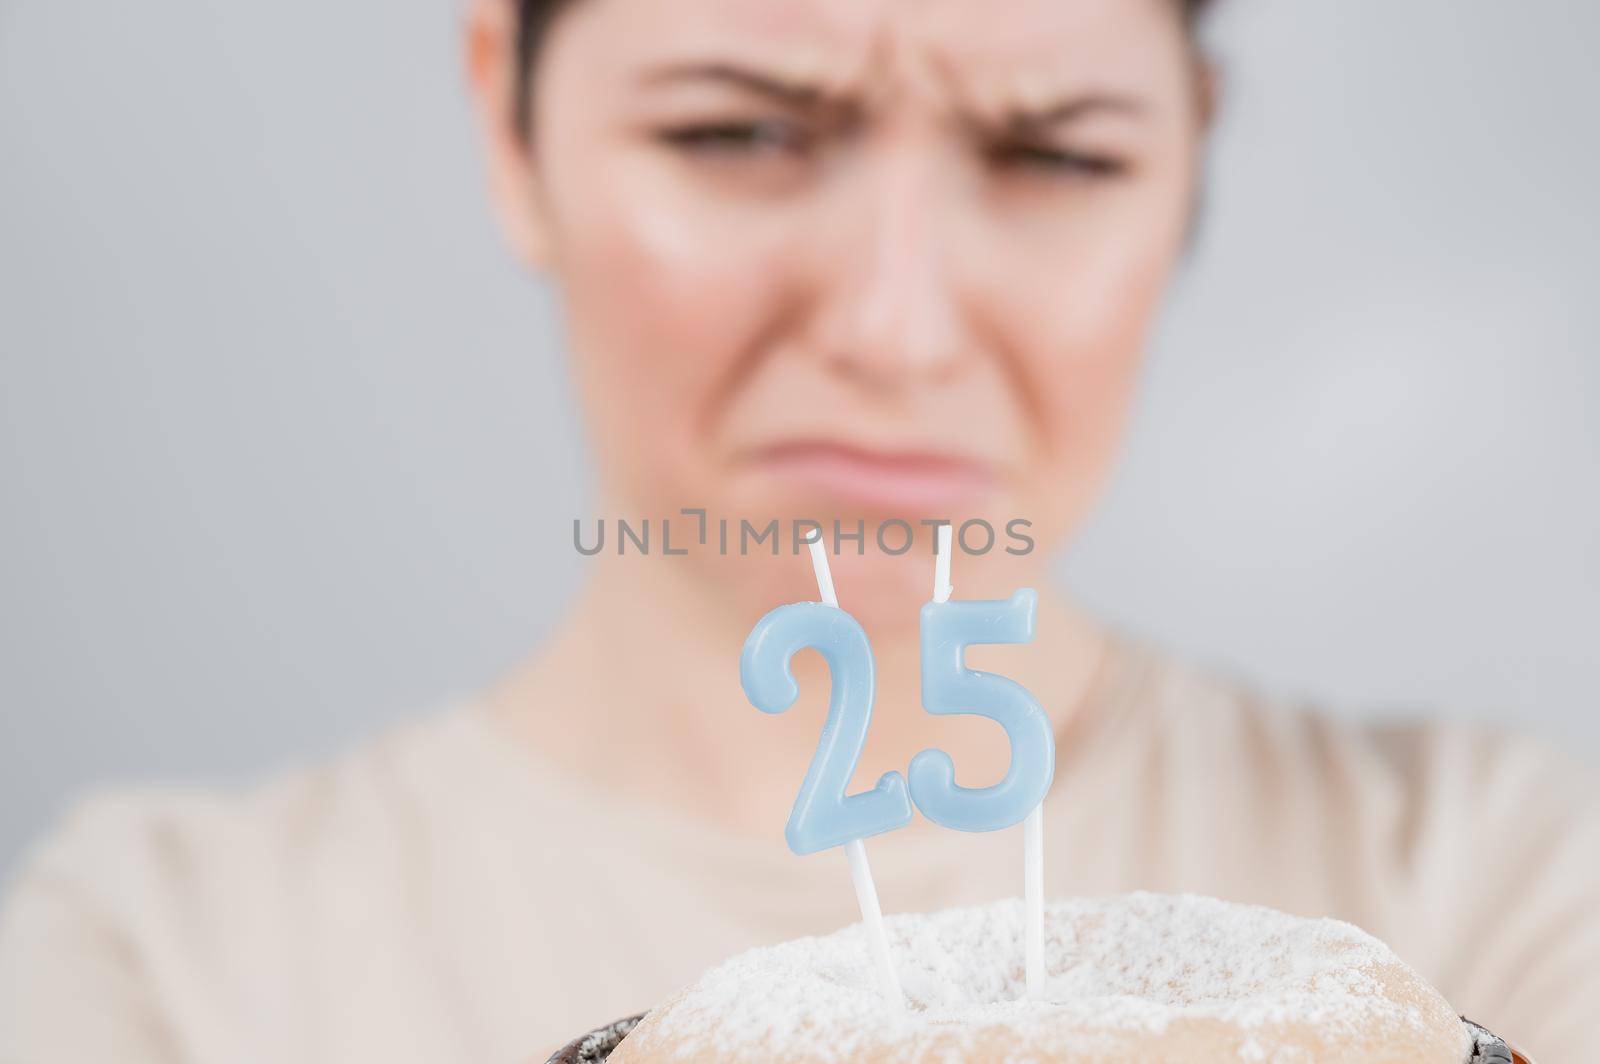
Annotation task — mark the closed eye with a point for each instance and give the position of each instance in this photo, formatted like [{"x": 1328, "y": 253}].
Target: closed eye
[
  {"x": 1026, "y": 155},
  {"x": 738, "y": 138}
]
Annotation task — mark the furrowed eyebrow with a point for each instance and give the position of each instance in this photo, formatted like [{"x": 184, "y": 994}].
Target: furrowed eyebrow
[
  {"x": 1067, "y": 111},
  {"x": 790, "y": 93},
  {"x": 807, "y": 96}
]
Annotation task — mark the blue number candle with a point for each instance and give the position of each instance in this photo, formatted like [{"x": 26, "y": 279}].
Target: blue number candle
[
  {"x": 949, "y": 687},
  {"x": 825, "y": 816}
]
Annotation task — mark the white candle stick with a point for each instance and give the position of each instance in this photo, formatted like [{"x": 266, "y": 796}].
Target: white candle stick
[
  {"x": 1032, "y": 830},
  {"x": 819, "y": 565},
  {"x": 1033, "y": 898},
  {"x": 855, "y": 850},
  {"x": 872, "y": 918}
]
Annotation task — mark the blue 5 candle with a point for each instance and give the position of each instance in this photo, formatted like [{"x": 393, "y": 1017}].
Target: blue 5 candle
[
  {"x": 949, "y": 687},
  {"x": 825, "y": 816}
]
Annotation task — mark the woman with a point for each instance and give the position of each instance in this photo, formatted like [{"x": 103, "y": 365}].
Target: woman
[{"x": 840, "y": 260}]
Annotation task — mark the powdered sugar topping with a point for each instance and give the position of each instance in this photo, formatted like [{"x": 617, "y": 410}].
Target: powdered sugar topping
[{"x": 1132, "y": 963}]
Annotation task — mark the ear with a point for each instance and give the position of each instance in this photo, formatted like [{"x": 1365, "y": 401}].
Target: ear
[
  {"x": 1207, "y": 91},
  {"x": 491, "y": 60}
]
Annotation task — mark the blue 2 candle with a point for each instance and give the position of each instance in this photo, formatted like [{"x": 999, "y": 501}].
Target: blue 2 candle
[{"x": 825, "y": 816}]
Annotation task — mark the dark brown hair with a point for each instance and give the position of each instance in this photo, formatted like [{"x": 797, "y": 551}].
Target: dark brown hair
[{"x": 534, "y": 18}]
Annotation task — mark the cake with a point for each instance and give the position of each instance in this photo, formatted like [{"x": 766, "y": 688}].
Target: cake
[{"x": 1133, "y": 978}]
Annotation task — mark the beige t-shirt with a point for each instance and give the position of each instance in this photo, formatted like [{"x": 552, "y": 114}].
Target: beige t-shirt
[{"x": 442, "y": 896}]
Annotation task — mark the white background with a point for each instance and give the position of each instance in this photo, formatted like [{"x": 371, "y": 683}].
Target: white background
[{"x": 286, "y": 451}]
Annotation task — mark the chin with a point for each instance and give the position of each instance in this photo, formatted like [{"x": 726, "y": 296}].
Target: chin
[{"x": 884, "y": 592}]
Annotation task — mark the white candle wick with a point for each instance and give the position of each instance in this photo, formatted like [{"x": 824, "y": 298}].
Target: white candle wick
[
  {"x": 819, "y": 565},
  {"x": 941, "y": 566}
]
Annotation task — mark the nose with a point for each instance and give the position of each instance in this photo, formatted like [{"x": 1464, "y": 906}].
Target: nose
[{"x": 889, "y": 315}]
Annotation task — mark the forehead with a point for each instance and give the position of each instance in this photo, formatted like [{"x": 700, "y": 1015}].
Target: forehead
[{"x": 1001, "y": 47}]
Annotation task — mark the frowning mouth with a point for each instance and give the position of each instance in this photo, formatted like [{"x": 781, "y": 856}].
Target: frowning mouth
[{"x": 900, "y": 480}]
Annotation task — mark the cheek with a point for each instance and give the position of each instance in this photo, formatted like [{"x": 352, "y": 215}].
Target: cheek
[
  {"x": 1100, "y": 330},
  {"x": 1080, "y": 300},
  {"x": 664, "y": 302}
]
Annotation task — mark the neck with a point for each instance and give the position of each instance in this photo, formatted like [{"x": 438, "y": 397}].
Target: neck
[{"x": 639, "y": 691}]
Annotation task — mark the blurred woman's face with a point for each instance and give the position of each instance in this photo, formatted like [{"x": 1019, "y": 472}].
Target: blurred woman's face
[{"x": 859, "y": 259}]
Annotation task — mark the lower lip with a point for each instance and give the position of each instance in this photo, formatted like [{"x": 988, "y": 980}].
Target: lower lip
[{"x": 903, "y": 483}]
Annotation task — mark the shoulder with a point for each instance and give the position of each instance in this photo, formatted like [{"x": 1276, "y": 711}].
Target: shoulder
[
  {"x": 1409, "y": 816},
  {"x": 182, "y": 912},
  {"x": 1498, "y": 779},
  {"x": 145, "y": 861},
  {"x": 1439, "y": 772}
]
